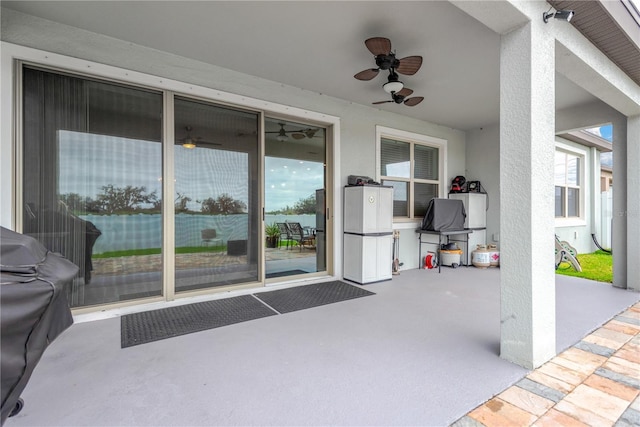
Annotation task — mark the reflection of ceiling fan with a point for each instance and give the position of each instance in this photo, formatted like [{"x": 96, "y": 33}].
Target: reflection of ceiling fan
[
  {"x": 401, "y": 97},
  {"x": 386, "y": 60},
  {"x": 296, "y": 134},
  {"x": 191, "y": 142}
]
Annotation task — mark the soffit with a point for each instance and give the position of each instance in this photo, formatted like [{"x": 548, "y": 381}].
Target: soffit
[{"x": 611, "y": 27}]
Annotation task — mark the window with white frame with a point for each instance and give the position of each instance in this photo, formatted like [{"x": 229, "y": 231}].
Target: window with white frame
[
  {"x": 568, "y": 184},
  {"x": 414, "y": 168}
]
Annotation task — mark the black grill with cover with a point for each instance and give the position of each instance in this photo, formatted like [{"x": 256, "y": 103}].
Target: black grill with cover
[
  {"x": 444, "y": 215},
  {"x": 33, "y": 310}
]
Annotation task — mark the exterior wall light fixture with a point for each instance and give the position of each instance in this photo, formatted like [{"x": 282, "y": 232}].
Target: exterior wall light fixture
[{"x": 564, "y": 15}]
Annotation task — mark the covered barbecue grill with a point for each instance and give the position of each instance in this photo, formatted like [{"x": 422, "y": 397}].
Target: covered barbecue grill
[{"x": 33, "y": 310}]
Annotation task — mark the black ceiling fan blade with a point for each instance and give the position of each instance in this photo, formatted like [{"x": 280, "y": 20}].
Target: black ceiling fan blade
[
  {"x": 413, "y": 101},
  {"x": 404, "y": 92},
  {"x": 298, "y": 135},
  {"x": 381, "y": 102},
  {"x": 378, "y": 45},
  {"x": 367, "y": 74},
  {"x": 409, "y": 65}
]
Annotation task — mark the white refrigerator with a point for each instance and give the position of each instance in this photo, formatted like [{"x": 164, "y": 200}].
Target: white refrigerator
[
  {"x": 368, "y": 233},
  {"x": 475, "y": 206}
]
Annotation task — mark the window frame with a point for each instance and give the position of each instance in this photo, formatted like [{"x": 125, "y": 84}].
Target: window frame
[
  {"x": 413, "y": 139},
  {"x": 581, "y": 155}
]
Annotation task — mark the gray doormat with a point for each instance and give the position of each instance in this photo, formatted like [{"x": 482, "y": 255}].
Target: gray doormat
[
  {"x": 301, "y": 297},
  {"x": 148, "y": 326}
]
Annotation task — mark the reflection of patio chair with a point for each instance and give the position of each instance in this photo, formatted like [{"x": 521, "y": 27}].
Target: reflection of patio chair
[
  {"x": 284, "y": 231},
  {"x": 209, "y": 236},
  {"x": 299, "y": 235}
]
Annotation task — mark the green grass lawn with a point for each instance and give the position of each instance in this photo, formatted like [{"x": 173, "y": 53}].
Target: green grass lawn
[
  {"x": 153, "y": 251},
  {"x": 595, "y": 266}
]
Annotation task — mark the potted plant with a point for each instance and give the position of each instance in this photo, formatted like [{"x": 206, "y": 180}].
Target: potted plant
[{"x": 273, "y": 233}]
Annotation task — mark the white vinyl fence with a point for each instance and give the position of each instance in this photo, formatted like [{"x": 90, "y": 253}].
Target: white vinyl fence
[{"x": 607, "y": 218}]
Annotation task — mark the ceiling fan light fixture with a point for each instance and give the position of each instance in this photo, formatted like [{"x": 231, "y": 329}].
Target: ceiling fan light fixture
[
  {"x": 393, "y": 86},
  {"x": 189, "y": 144},
  {"x": 282, "y": 138}
]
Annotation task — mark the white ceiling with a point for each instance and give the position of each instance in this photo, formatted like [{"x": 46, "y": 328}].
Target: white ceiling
[{"x": 319, "y": 46}]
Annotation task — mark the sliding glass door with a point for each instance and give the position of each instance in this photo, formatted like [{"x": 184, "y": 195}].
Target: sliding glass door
[
  {"x": 294, "y": 177},
  {"x": 91, "y": 166},
  {"x": 217, "y": 213},
  {"x": 94, "y": 172}
]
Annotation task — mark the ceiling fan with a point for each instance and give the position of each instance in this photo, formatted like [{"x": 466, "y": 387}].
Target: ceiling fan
[
  {"x": 386, "y": 60},
  {"x": 400, "y": 97},
  {"x": 190, "y": 142},
  {"x": 295, "y": 134}
]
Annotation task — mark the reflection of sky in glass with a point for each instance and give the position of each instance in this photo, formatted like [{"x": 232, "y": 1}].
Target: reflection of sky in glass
[
  {"x": 203, "y": 173},
  {"x": 567, "y": 169},
  {"x": 288, "y": 181},
  {"x": 400, "y": 169},
  {"x": 89, "y": 161}
]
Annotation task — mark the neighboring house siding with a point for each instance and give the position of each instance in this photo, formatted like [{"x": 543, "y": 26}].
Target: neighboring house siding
[{"x": 577, "y": 230}]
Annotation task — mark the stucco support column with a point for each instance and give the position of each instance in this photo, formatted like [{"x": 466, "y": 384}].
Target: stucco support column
[
  {"x": 620, "y": 191},
  {"x": 633, "y": 203},
  {"x": 527, "y": 138}
]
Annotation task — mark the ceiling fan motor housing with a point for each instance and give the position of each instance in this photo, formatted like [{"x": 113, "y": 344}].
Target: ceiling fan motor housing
[{"x": 384, "y": 62}]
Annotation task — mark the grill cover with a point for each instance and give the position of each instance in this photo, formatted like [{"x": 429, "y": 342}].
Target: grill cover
[
  {"x": 443, "y": 215},
  {"x": 33, "y": 309}
]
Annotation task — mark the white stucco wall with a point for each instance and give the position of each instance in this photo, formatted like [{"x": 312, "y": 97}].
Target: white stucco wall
[
  {"x": 356, "y": 146},
  {"x": 483, "y": 152}
]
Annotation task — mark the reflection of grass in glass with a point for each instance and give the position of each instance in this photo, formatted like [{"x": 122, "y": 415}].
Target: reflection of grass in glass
[
  {"x": 154, "y": 251},
  {"x": 595, "y": 266}
]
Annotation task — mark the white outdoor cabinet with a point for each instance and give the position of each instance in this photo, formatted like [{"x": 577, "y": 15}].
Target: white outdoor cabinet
[
  {"x": 475, "y": 206},
  {"x": 368, "y": 233},
  {"x": 367, "y": 259},
  {"x": 368, "y": 209}
]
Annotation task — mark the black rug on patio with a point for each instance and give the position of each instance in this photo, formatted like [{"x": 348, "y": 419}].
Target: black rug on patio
[
  {"x": 148, "y": 326},
  {"x": 285, "y": 273},
  {"x": 302, "y": 297}
]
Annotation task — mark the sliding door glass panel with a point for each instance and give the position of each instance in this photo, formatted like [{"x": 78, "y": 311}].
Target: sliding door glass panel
[
  {"x": 92, "y": 159},
  {"x": 295, "y": 193},
  {"x": 217, "y": 213}
]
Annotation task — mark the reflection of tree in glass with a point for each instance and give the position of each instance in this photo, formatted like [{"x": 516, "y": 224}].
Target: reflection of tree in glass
[
  {"x": 301, "y": 207},
  {"x": 223, "y": 205},
  {"x": 76, "y": 203},
  {"x": 127, "y": 199},
  {"x": 113, "y": 200},
  {"x": 305, "y": 206},
  {"x": 181, "y": 203}
]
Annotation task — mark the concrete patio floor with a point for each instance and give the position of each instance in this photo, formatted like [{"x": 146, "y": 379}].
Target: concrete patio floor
[{"x": 423, "y": 351}]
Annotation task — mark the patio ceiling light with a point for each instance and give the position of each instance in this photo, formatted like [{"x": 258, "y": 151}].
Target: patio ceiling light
[{"x": 393, "y": 85}]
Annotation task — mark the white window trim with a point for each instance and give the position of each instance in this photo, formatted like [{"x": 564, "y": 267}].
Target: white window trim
[
  {"x": 406, "y": 136},
  {"x": 582, "y": 155}
]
